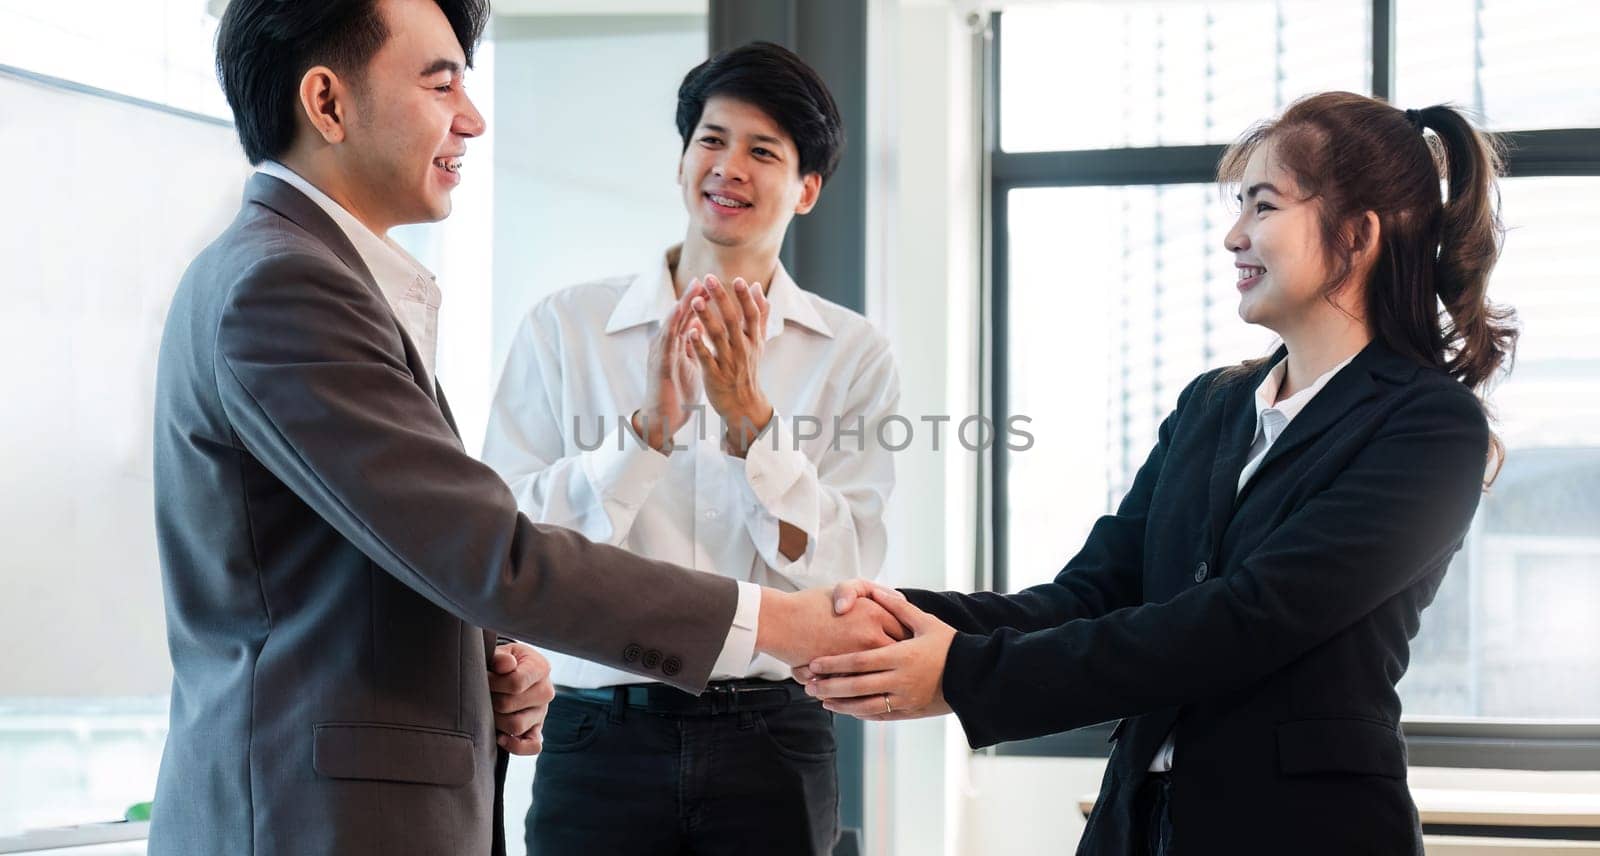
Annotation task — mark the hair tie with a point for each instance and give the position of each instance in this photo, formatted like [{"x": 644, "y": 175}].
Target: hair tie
[{"x": 1415, "y": 118}]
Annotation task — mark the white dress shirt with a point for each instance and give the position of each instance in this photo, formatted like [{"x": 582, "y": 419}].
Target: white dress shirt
[
  {"x": 558, "y": 433},
  {"x": 411, "y": 289},
  {"x": 413, "y": 293},
  {"x": 1271, "y": 420}
]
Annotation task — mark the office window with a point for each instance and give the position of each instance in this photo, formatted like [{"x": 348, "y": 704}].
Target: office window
[
  {"x": 1126, "y": 280},
  {"x": 1519, "y": 64},
  {"x": 160, "y": 51},
  {"x": 1106, "y": 74}
]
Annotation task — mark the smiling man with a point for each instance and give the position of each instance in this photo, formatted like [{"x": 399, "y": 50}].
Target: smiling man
[
  {"x": 331, "y": 556},
  {"x": 629, "y": 409}
]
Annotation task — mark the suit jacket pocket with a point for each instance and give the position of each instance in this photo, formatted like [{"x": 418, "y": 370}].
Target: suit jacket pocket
[
  {"x": 1342, "y": 745},
  {"x": 393, "y": 753}
]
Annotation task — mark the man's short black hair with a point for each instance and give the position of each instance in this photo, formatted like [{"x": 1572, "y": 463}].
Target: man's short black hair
[
  {"x": 264, "y": 47},
  {"x": 773, "y": 78}
]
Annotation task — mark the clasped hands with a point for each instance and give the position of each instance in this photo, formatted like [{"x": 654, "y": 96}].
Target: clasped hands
[
  {"x": 713, "y": 339},
  {"x": 897, "y": 674}
]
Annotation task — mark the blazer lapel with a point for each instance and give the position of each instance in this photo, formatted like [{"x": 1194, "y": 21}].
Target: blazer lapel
[
  {"x": 1354, "y": 384},
  {"x": 1233, "y": 444},
  {"x": 444, "y": 407},
  {"x": 282, "y": 197}
]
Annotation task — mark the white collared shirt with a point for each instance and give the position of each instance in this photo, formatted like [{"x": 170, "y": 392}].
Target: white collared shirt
[
  {"x": 411, "y": 289},
  {"x": 1272, "y": 417},
  {"x": 579, "y": 357}
]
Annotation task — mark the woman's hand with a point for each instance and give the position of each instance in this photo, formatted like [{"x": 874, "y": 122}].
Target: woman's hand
[{"x": 899, "y": 681}]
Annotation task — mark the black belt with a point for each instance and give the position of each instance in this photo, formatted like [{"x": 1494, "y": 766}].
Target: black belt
[{"x": 720, "y": 697}]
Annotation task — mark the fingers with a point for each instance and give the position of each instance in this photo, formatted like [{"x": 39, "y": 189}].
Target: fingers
[
  {"x": 527, "y": 744},
  {"x": 754, "y": 328},
  {"x": 801, "y": 674},
  {"x": 519, "y": 723},
  {"x": 854, "y": 686},
  {"x": 869, "y": 708},
  {"x": 874, "y": 660},
  {"x": 536, "y": 694},
  {"x": 713, "y": 318},
  {"x": 519, "y": 686}
]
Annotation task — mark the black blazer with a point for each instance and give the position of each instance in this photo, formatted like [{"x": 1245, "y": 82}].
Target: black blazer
[{"x": 1270, "y": 629}]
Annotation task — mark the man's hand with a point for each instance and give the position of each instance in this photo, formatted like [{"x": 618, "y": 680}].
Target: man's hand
[
  {"x": 521, "y": 690},
  {"x": 728, "y": 335},
  {"x": 672, "y": 382},
  {"x": 899, "y": 681},
  {"x": 798, "y": 627}
]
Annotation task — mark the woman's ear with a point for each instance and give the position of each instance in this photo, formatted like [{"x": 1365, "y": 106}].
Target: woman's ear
[{"x": 1366, "y": 238}]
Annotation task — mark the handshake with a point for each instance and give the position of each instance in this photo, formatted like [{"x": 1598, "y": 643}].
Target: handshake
[{"x": 863, "y": 649}]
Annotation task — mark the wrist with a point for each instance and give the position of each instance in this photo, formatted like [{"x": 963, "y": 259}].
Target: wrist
[
  {"x": 653, "y": 430},
  {"x": 746, "y": 422},
  {"x": 773, "y": 622}
]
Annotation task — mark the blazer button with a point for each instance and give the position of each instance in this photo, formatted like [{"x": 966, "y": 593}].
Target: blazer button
[
  {"x": 1200, "y": 572},
  {"x": 672, "y": 666},
  {"x": 652, "y": 658},
  {"x": 631, "y": 653}
]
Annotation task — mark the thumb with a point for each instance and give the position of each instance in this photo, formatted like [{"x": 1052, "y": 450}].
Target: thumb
[
  {"x": 846, "y": 592},
  {"x": 504, "y": 662}
]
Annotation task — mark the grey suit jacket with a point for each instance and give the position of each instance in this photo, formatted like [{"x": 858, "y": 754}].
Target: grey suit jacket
[{"x": 331, "y": 555}]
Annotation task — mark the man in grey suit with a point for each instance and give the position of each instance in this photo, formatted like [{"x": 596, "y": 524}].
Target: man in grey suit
[{"x": 330, "y": 553}]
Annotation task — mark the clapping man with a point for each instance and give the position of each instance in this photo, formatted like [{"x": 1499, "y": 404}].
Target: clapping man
[{"x": 710, "y": 413}]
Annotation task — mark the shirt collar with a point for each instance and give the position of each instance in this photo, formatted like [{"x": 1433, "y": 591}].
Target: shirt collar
[
  {"x": 395, "y": 270},
  {"x": 1290, "y": 407},
  {"x": 650, "y": 297}
]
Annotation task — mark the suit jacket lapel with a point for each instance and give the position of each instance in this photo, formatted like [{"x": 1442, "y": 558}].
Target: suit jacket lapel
[
  {"x": 282, "y": 197},
  {"x": 444, "y": 407},
  {"x": 1233, "y": 444},
  {"x": 1357, "y": 382}
]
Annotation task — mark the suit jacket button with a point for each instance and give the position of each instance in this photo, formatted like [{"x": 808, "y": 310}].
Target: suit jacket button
[
  {"x": 631, "y": 653},
  {"x": 1200, "y": 572},
  {"x": 672, "y": 666},
  {"x": 652, "y": 658}
]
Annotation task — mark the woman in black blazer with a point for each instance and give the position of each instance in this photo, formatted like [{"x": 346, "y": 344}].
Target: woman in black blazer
[{"x": 1248, "y": 610}]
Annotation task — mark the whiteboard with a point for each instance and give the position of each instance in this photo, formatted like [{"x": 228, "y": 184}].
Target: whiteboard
[{"x": 104, "y": 205}]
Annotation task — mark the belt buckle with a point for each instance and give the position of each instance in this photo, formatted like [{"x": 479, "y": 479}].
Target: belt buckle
[{"x": 725, "y": 698}]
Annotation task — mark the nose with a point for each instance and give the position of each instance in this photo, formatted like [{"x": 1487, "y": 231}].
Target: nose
[
  {"x": 1236, "y": 241},
  {"x": 729, "y": 167},
  {"x": 469, "y": 122}
]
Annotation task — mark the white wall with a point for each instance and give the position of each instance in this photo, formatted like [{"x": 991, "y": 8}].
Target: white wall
[
  {"x": 88, "y": 281},
  {"x": 587, "y": 151}
]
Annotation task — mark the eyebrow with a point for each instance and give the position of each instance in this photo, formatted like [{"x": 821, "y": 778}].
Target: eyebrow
[
  {"x": 1257, "y": 188},
  {"x": 441, "y": 64},
  {"x": 760, "y": 138}
]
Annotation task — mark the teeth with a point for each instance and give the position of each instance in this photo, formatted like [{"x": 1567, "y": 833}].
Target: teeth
[
  {"x": 1247, "y": 272},
  {"x": 448, "y": 164},
  {"x": 731, "y": 203}
]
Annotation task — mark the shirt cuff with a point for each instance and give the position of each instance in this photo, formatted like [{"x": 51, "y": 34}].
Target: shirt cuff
[
  {"x": 623, "y": 468},
  {"x": 773, "y": 468},
  {"x": 740, "y": 647}
]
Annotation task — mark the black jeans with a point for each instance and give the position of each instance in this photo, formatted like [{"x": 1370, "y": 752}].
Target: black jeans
[{"x": 619, "y": 780}]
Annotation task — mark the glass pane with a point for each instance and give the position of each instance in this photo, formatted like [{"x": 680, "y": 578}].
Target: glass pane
[
  {"x": 158, "y": 50},
  {"x": 1512, "y": 631},
  {"x": 1130, "y": 286},
  {"x": 1108, "y": 74},
  {"x": 1517, "y": 63}
]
